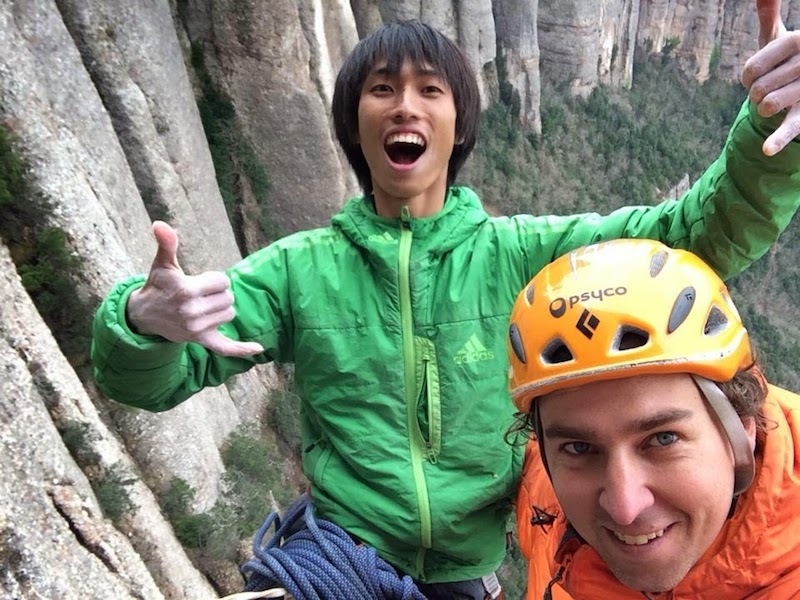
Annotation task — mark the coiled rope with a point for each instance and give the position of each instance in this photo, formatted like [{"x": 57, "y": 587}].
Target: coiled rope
[{"x": 319, "y": 562}]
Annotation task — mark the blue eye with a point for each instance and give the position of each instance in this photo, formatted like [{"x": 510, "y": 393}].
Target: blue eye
[
  {"x": 664, "y": 438},
  {"x": 577, "y": 448}
]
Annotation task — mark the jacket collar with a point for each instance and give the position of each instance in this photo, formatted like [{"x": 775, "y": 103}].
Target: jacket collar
[{"x": 460, "y": 217}]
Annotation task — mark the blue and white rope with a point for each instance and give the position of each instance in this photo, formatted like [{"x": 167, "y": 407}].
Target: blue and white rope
[{"x": 321, "y": 562}]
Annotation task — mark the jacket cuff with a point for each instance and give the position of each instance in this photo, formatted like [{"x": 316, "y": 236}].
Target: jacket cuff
[{"x": 114, "y": 342}]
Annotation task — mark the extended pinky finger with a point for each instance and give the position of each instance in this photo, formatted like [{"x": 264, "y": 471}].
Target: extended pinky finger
[
  {"x": 216, "y": 342},
  {"x": 788, "y": 131}
]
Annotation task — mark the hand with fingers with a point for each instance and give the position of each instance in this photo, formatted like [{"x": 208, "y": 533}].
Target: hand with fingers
[
  {"x": 772, "y": 75},
  {"x": 181, "y": 307}
]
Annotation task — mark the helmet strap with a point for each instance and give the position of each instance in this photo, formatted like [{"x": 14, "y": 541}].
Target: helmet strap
[
  {"x": 537, "y": 429},
  {"x": 744, "y": 462}
]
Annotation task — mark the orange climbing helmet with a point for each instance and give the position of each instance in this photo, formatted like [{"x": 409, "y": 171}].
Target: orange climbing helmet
[{"x": 618, "y": 309}]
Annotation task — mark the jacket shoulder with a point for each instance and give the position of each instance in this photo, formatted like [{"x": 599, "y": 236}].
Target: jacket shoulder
[{"x": 788, "y": 400}]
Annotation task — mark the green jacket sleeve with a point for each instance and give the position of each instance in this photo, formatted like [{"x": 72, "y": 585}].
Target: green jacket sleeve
[
  {"x": 730, "y": 217},
  {"x": 155, "y": 374}
]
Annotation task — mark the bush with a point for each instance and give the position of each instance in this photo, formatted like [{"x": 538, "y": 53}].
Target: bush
[
  {"x": 112, "y": 494},
  {"x": 285, "y": 419},
  {"x": 46, "y": 264},
  {"x": 253, "y": 476}
]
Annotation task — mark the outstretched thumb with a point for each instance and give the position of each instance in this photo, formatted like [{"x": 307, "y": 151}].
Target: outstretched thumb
[
  {"x": 167, "y": 240},
  {"x": 770, "y": 24}
]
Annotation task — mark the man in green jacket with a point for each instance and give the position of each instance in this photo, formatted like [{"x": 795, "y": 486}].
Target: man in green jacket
[{"x": 395, "y": 315}]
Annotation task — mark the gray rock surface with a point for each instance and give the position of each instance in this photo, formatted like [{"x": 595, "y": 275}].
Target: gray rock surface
[{"x": 54, "y": 539}]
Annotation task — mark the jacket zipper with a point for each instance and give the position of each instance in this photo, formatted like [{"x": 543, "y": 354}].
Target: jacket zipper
[
  {"x": 557, "y": 578},
  {"x": 416, "y": 441},
  {"x": 429, "y": 391}
]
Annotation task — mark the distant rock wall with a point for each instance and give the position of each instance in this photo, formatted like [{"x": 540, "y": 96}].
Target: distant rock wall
[{"x": 595, "y": 41}]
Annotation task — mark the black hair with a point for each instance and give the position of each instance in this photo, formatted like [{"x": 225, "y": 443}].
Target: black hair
[{"x": 396, "y": 42}]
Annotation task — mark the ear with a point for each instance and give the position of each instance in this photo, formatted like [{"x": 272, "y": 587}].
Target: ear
[{"x": 750, "y": 429}]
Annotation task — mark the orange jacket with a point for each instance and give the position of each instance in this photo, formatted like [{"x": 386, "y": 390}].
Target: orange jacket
[{"x": 756, "y": 556}]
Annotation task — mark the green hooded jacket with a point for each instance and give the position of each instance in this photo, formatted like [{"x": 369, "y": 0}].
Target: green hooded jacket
[{"x": 397, "y": 330}]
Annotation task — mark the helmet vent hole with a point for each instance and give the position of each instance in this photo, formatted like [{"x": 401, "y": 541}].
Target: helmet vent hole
[
  {"x": 529, "y": 294},
  {"x": 717, "y": 321},
  {"x": 515, "y": 338},
  {"x": 657, "y": 262},
  {"x": 556, "y": 352},
  {"x": 629, "y": 338}
]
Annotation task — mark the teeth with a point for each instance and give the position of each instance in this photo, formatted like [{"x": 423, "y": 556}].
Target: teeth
[
  {"x": 638, "y": 540},
  {"x": 406, "y": 138}
]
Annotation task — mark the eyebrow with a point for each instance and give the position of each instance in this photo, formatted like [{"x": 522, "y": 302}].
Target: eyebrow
[
  {"x": 418, "y": 70},
  {"x": 666, "y": 417}
]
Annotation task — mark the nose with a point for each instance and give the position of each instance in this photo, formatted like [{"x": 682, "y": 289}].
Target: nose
[
  {"x": 405, "y": 106},
  {"x": 626, "y": 490}
]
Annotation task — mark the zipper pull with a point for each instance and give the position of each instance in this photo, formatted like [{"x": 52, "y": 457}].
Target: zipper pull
[
  {"x": 431, "y": 454},
  {"x": 405, "y": 217}
]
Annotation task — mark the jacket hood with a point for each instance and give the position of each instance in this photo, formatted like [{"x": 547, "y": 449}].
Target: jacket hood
[{"x": 461, "y": 215}]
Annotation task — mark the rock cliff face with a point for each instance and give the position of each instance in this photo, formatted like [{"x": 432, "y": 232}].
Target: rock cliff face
[
  {"x": 110, "y": 105},
  {"x": 594, "y": 41}
]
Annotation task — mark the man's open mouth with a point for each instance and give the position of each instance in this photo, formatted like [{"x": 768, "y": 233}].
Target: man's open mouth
[{"x": 404, "y": 148}]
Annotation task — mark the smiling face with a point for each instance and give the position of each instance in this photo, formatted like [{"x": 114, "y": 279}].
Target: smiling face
[
  {"x": 406, "y": 130},
  {"x": 643, "y": 472}
]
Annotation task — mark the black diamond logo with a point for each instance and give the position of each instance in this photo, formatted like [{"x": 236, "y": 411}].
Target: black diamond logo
[{"x": 587, "y": 324}]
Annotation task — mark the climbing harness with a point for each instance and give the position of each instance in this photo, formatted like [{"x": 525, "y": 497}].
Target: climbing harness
[{"x": 313, "y": 559}]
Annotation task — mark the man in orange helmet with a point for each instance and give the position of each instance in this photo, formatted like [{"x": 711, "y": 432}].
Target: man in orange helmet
[{"x": 663, "y": 465}]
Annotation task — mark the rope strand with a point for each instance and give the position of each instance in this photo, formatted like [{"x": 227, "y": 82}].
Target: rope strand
[{"x": 320, "y": 562}]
